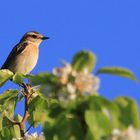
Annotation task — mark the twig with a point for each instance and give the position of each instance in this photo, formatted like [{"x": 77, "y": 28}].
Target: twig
[
  {"x": 31, "y": 94},
  {"x": 27, "y": 89},
  {"x": 29, "y": 128}
]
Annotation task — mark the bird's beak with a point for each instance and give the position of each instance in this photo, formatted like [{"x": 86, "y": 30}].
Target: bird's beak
[{"x": 45, "y": 38}]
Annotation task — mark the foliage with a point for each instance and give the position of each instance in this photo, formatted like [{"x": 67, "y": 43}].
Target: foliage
[
  {"x": 117, "y": 71},
  {"x": 66, "y": 102}
]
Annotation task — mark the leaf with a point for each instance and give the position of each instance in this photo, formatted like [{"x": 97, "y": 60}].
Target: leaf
[
  {"x": 18, "y": 117},
  {"x": 18, "y": 78},
  {"x": 8, "y": 95},
  {"x": 8, "y": 133},
  {"x": 98, "y": 124},
  {"x": 6, "y": 122},
  {"x": 5, "y": 134},
  {"x": 7, "y": 106},
  {"x": 0, "y": 122},
  {"x": 108, "y": 108},
  {"x": 5, "y": 75},
  {"x": 15, "y": 131},
  {"x": 7, "y": 102},
  {"x": 72, "y": 129},
  {"x": 10, "y": 107},
  {"x": 38, "y": 107},
  {"x": 55, "y": 110},
  {"x": 129, "y": 108},
  {"x": 39, "y": 103},
  {"x": 42, "y": 78},
  {"x": 123, "y": 72},
  {"x": 9, "y": 130},
  {"x": 84, "y": 60},
  {"x": 39, "y": 117}
]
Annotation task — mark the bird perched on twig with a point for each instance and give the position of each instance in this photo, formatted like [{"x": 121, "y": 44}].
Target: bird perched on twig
[{"x": 24, "y": 55}]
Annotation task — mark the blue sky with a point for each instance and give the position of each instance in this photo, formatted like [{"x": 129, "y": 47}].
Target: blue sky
[{"x": 109, "y": 28}]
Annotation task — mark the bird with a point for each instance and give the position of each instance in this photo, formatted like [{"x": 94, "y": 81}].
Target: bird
[{"x": 24, "y": 56}]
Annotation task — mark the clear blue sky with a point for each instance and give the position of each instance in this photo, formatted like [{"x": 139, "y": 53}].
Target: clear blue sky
[{"x": 109, "y": 28}]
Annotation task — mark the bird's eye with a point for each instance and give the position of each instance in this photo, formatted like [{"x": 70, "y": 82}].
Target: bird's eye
[{"x": 34, "y": 36}]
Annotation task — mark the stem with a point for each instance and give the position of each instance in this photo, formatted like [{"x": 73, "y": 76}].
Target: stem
[
  {"x": 27, "y": 93},
  {"x": 29, "y": 128},
  {"x": 27, "y": 89}
]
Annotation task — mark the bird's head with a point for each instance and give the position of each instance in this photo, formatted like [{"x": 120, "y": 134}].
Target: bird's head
[{"x": 33, "y": 37}]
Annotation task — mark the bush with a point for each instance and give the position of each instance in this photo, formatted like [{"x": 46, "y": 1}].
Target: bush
[{"x": 66, "y": 102}]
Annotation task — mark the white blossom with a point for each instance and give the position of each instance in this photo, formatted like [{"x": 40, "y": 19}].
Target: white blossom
[
  {"x": 63, "y": 73},
  {"x": 86, "y": 82},
  {"x": 35, "y": 136},
  {"x": 129, "y": 134},
  {"x": 71, "y": 88},
  {"x": 83, "y": 81}
]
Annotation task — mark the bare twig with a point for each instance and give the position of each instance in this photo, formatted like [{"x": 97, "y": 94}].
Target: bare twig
[
  {"x": 27, "y": 89},
  {"x": 29, "y": 128}
]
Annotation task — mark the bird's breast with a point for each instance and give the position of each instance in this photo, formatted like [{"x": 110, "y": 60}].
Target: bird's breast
[{"x": 28, "y": 59}]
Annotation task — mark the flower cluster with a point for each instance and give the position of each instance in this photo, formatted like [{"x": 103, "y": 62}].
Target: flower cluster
[
  {"x": 129, "y": 134},
  {"x": 76, "y": 81},
  {"x": 33, "y": 136}
]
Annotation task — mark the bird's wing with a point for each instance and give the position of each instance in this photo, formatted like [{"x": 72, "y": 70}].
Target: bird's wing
[{"x": 18, "y": 49}]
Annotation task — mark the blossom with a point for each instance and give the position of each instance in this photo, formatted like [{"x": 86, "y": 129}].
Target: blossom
[
  {"x": 33, "y": 136},
  {"x": 86, "y": 82},
  {"x": 76, "y": 81},
  {"x": 130, "y": 134},
  {"x": 63, "y": 73}
]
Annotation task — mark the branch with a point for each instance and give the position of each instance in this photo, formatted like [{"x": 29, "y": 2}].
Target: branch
[
  {"x": 29, "y": 128},
  {"x": 27, "y": 89}
]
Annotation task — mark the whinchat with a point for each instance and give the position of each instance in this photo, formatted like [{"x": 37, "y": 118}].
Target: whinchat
[{"x": 24, "y": 55}]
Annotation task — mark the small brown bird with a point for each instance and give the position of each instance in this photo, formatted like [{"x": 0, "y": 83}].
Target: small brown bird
[{"x": 24, "y": 55}]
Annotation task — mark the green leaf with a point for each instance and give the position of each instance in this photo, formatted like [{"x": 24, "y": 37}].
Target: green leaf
[
  {"x": 8, "y": 95},
  {"x": 7, "y": 106},
  {"x": 18, "y": 117},
  {"x": 84, "y": 60},
  {"x": 123, "y": 72},
  {"x": 39, "y": 103},
  {"x": 89, "y": 136},
  {"x": 7, "y": 102},
  {"x": 0, "y": 122},
  {"x": 98, "y": 124},
  {"x": 15, "y": 131},
  {"x": 18, "y": 78},
  {"x": 42, "y": 78},
  {"x": 129, "y": 108},
  {"x": 10, "y": 132},
  {"x": 72, "y": 129},
  {"x": 5, "y": 134},
  {"x": 39, "y": 117},
  {"x": 5, "y": 75},
  {"x": 38, "y": 111},
  {"x": 108, "y": 108},
  {"x": 6, "y": 121},
  {"x": 55, "y": 109}
]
